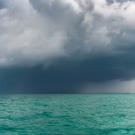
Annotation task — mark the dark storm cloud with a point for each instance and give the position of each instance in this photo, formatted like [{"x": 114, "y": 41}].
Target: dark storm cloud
[
  {"x": 67, "y": 76},
  {"x": 58, "y": 46}
]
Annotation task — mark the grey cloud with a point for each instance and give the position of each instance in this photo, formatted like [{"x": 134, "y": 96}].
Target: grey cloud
[
  {"x": 1, "y": 4},
  {"x": 51, "y": 29}
]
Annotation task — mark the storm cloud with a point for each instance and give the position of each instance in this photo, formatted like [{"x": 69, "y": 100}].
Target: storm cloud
[{"x": 65, "y": 45}]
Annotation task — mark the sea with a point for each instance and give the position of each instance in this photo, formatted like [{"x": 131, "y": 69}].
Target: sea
[{"x": 67, "y": 114}]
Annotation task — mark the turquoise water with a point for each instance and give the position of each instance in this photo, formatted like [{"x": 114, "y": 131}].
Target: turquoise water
[{"x": 81, "y": 114}]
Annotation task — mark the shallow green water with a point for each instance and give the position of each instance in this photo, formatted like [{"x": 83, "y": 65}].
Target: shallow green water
[{"x": 92, "y": 114}]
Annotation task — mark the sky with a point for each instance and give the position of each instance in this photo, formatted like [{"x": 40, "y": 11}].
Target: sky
[{"x": 67, "y": 46}]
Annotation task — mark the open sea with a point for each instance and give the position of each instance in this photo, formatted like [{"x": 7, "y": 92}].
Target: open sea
[{"x": 73, "y": 114}]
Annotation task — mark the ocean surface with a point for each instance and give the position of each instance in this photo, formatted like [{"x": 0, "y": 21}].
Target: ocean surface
[{"x": 80, "y": 114}]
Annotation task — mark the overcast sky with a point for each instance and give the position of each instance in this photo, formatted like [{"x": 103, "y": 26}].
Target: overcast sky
[{"x": 61, "y": 46}]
